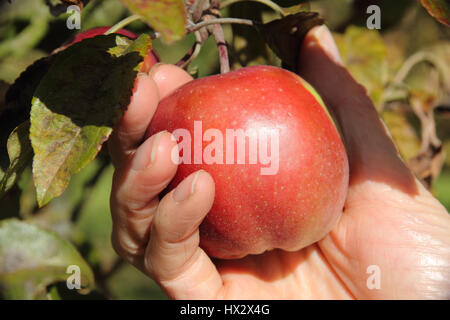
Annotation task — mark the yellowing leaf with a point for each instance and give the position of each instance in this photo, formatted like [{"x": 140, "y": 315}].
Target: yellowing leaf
[
  {"x": 76, "y": 105},
  {"x": 167, "y": 17},
  {"x": 405, "y": 137},
  {"x": 364, "y": 54}
]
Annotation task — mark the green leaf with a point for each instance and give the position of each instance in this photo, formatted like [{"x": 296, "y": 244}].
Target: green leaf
[
  {"x": 297, "y": 8},
  {"x": 405, "y": 136},
  {"x": 20, "y": 155},
  {"x": 77, "y": 104},
  {"x": 53, "y": 293},
  {"x": 441, "y": 188},
  {"x": 364, "y": 53},
  {"x": 31, "y": 258},
  {"x": 167, "y": 17},
  {"x": 439, "y": 9}
]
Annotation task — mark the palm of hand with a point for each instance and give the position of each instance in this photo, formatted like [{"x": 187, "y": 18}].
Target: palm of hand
[{"x": 373, "y": 231}]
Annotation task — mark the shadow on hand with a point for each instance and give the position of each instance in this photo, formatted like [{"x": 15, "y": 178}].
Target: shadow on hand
[
  {"x": 270, "y": 266},
  {"x": 370, "y": 149}
]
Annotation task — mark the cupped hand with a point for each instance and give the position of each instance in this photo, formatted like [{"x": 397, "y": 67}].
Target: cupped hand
[{"x": 393, "y": 240}]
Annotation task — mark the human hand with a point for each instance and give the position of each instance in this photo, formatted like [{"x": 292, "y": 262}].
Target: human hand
[{"x": 389, "y": 220}]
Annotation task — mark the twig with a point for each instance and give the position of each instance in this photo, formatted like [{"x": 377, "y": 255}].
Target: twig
[
  {"x": 394, "y": 91},
  {"x": 202, "y": 24},
  {"x": 416, "y": 58},
  {"x": 217, "y": 31},
  {"x": 102, "y": 276},
  {"x": 197, "y": 9}
]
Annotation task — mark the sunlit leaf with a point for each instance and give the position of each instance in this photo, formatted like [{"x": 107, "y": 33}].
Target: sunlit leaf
[
  {"x": 31, "y": 258},
  {"x": 365, "y": 55},
  {"x": 405, "y": 137},
  {"x": 76, "y": 105},
  {"x": 167, "y": 17},
  {"x": 439, "y": 9}
]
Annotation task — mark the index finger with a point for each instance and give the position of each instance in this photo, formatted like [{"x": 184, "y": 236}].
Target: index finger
[{"x": 149, "y": 89}]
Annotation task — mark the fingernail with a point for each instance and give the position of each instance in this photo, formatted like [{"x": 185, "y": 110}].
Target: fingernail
[
  {"x": 155, "y": 147},
  {"x": 141, "y": 159},
  {"x": 175, "y": 153},
  {"x": 325, "y": 39},
  {"x": 186, "y": 187},
  {"x": 154, "y": 68}
]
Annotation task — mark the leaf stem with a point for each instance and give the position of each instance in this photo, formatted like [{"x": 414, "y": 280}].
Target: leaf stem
[
  {"x": 197, "y": 46},
  {"x": 268, "y": 3},
  {"x": 202, "y": 24},
  {"x": 119, "y": 25}
]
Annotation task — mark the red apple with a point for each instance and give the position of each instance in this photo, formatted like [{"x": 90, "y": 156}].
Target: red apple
[
  {"x": 98, "y": 31},
  {"x": 149, "y": 61},
  {"x": 259, "y": 205}
]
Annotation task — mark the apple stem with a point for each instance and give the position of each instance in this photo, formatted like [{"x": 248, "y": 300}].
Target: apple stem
[
  {"x": 268, "y": 3},
  {"x": 121, "y": 24}
]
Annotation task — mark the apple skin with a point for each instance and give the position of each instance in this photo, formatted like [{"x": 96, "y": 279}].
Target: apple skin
[
  {"x": 253, "y": 213},
  {"x": 98, "y": 31},
  {"x": 149, "y": 60}
]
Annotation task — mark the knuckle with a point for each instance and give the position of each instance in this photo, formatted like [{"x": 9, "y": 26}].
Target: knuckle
[{"x": 126, "y": 248}]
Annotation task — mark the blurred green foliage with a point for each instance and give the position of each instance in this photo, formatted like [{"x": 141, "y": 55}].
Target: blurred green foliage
[{"x": 81, "y": 215}]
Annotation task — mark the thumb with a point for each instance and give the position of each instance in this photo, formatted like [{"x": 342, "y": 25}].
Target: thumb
[{"x": 372, "y": 154}]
